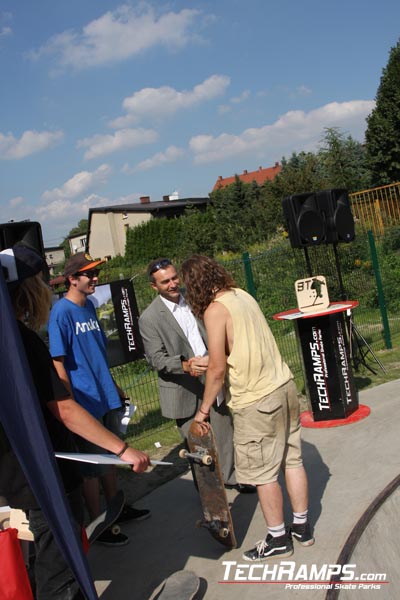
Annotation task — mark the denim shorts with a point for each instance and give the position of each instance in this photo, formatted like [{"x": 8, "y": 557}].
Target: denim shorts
[
  {"x": 111, "y": 421},
  {"x": 267, "y": 436}
]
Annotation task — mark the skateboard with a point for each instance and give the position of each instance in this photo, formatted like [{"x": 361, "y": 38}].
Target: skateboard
[
  {"x": 182, "y": 585},
  {"x": 107, "y": 518},
  {"x": 203, "y": 456}
]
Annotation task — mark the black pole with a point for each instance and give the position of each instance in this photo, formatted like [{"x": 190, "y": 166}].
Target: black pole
[
  {"x": 308, "y": 262},
  {"x": 339, "y": 272}
]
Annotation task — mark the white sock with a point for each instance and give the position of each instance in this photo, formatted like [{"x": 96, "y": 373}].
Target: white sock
[
  {"x": 300, "y": 518},
  {"x": 277, "y": 531}
]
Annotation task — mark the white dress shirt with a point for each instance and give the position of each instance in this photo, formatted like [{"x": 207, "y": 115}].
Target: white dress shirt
[{"x": 187, "y": 323}]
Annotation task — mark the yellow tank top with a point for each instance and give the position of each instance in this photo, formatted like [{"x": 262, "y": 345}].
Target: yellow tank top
[{"x": 255, "y": 367}]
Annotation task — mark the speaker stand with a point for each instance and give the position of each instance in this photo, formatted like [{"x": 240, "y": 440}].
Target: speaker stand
[
  {"x": 308, "y": 263},
  {"x": 359, "y": 348},
  {"x": 339, "y": 273},
  {"x": 358, "y": 345}
]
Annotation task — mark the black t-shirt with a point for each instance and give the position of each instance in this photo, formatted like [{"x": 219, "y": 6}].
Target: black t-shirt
[{"x": 13, "y": 484}]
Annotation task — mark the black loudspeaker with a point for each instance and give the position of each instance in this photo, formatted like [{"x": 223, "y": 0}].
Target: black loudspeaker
[
  {"x": 334, "y": 205},
  {"x": 319, "y": 217},
  {"x": 306, "y": 226},
  {"x": 28, "y": 233}
]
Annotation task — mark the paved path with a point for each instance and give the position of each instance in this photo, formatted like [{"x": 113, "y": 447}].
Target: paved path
[{"x": 347, "y": 466}]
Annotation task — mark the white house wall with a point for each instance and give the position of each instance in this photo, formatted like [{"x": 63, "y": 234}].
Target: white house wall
[{"x": 108, "y": 232}]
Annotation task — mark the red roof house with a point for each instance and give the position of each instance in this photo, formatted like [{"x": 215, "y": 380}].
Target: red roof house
[{"x": 258, "y": 176}]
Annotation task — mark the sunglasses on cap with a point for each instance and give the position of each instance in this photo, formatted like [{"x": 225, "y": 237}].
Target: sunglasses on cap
[
  {"x": 90, "y": 273},
  {"x": 165, "y": 262}
]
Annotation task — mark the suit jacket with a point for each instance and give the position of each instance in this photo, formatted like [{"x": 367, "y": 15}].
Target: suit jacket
[{"x": 165, "y": 347}]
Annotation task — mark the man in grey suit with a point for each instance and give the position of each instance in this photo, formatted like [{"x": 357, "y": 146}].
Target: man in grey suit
[{"x": 174, "y": 345}]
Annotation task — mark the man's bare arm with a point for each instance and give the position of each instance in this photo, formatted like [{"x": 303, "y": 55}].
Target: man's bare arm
[
  {"x": 215, "y": 320},
  {"x": 79, "y": 421}
]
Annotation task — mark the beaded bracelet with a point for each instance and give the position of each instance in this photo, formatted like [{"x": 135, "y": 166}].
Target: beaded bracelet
[{"x": 126, "y": 446}]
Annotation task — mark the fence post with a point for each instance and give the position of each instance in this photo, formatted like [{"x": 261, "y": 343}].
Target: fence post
[
  {"x": 249, "y": 274},
  {"x": 381, "y": 295}
]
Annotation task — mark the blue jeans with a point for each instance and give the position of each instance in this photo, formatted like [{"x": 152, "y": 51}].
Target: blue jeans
[{"x": 54, "y": 579}]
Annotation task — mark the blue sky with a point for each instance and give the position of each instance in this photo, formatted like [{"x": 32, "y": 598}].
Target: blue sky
[{"x": 104, "y": 101}]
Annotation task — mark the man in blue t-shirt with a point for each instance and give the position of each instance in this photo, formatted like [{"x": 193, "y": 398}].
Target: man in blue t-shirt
[{"x": 78, "y": 348}]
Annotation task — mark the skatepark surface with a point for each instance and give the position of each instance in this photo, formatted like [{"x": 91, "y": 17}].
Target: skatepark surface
[{"x": 347, "y": 466}]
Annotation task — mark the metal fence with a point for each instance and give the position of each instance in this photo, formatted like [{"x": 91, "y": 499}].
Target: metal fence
[
  {"x": 377, "y": 209},
  {"x": 352, "y": 271}
]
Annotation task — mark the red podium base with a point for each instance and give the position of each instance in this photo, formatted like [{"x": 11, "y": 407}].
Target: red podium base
[{"x": 306, "y": 418}]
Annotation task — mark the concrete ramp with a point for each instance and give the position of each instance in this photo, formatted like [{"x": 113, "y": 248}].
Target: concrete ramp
[{"x": 374, "y": 546}]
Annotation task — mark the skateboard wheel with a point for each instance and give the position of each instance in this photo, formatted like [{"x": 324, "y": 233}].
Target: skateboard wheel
[
  {"x": 223, "y": 533},
  {"x": 207, "y": 460},
  {"x": 115, "y": 529},
  {"x": 183, "y": 453}
]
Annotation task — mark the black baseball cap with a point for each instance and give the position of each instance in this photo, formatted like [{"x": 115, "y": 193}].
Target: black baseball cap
[{"x": 21, "y": 262}]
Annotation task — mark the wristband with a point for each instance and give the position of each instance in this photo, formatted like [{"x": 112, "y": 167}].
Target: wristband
[
  {"x": 203, "y": 412},
  {"x": 124, "y": 449}
]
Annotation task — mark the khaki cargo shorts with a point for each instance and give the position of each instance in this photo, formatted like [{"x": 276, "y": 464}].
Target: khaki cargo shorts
[{"x": 267, "y": 436}]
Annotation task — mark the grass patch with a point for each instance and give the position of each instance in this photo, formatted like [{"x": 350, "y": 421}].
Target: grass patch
[
  {"x": 167, "y": 435},
  {"x": 390, "y": 359}
]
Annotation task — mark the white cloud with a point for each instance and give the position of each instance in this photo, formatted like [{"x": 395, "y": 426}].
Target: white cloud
[
  {"x": 99, "y": 145},
  {"x": 5, "y": 31},
  {"x": 120, "y": 34},
  {"x": 223, "y": 109},
  {"x": 226, "y": 108},
  {"x": 60, "y": 215},
  {"x": 171, "y": 154},
  {"x": 303, "y": 90},
  {"x": 241, "y": 98},
  {"x": 17, "y": 201},
  {"x": 62, "y": 210},
  {"x": 293, "y": 131},
  {"x": 165, "y": 100},
  {"x": 76, "y": 186},
  {"x": 29, "y": 143},
  {"x": 128, "y": 199}
]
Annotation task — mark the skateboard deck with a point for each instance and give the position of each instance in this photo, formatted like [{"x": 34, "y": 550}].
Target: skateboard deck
[
  {"x": 204, "y": 459},
  {"x": 182, "y": 585},
  {"x": 107, "y": 518}
]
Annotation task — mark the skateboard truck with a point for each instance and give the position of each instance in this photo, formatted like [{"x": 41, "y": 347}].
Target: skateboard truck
[
  {"x": 216, "y": 527},
  {"x": 201, "y": 455},
  {"x": 107, "y": 519}
]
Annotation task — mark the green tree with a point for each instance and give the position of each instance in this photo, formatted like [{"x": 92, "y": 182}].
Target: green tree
[
  {"x": 82, "y": 227},
  {"x": 383, "y": 129},
  {"x": 157, "y": 237},
  {"x": 343, "y": 161},
  {"x": 302, "y": 172},
  {"x": 228, "y": 204},
  {"x": 197, "y": 233}
]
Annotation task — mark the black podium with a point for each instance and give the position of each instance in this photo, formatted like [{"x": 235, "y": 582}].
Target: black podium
[{"x": 322, "y": 338}]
